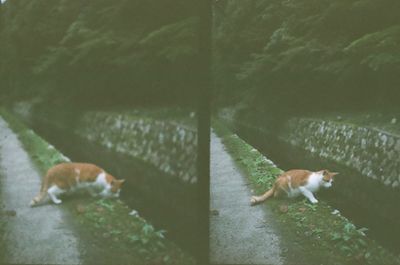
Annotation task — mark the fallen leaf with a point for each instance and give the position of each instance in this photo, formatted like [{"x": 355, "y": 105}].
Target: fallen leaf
[
  {"x": 302, "y": 209},
  {"x": 283, "y": 208},
  {"x": 80, "y": 208}
]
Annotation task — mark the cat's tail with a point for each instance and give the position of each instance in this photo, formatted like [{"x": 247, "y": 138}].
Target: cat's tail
[
  {"x": 43, "y": 192},
  {"x": 258, "y": 199}
]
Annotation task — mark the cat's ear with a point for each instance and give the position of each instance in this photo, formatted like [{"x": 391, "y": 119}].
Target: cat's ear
[
  {"x": 323, "y": 172},
  {"x": 121, "y": 181},
  {"x": 334, "y": 173}
]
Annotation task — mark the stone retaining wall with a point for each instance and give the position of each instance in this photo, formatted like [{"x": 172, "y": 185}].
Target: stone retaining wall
[
  {"x": 372, "y": 152},
  {"x": 165, "y": 144},
  {"x": 167, "y": 141}
]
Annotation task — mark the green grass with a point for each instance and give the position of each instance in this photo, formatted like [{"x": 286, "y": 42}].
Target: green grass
[
  {"x": 315, "y": 226},
  {"x": 110, "y": 219},
  {"x": 41, "y": 152},
  {"x": 106, "y": 219}
]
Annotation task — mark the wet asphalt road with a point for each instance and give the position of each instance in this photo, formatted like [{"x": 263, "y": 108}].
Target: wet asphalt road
[
  {"x": 239, "y": 233},
  {"x": 33, "y": 235}
]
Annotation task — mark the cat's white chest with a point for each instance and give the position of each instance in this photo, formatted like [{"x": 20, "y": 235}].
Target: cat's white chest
[
  {"x": 101, "y": 181},
  {"x": 313, "y": 183}
]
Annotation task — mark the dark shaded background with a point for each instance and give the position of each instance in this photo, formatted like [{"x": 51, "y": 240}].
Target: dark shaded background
[
  {"x": 121, "y": 52},
  {"x": 307, "y": 56}
]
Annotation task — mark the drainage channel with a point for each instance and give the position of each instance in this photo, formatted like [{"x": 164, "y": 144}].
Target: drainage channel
[
  {"x": 347, "y": 195},
  {"x": 160, "y": 198}
]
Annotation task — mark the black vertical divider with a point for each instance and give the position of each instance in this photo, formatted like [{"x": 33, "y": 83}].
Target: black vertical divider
[{"x": 204, "y": 96}]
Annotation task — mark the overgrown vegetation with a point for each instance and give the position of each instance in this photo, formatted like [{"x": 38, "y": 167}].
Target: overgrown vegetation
[
  {"x": 307, "y": 56},
  {"x": 318, "y": 227},
  {"x": 128, "y": 235},
  {"x": 99, "y": 52},
  {"x": 43, "y": 154}
]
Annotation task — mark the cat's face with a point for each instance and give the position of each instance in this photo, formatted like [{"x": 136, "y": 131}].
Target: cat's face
[
  {"x": 116, "y": 187},
  {"x": 327, "y": 179}
]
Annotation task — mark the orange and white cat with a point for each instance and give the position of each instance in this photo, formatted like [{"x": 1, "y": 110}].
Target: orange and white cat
[
  {"x": 298, "y": 181},
  {"x": 68, "y": 177}
]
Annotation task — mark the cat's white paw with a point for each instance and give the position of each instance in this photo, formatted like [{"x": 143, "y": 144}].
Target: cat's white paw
[
  {"x": 253, "y": 200},
  {"x": 57, "y": 201},
  {"x": 313, "y": 201},
  {"x": 32, "y": 203}
]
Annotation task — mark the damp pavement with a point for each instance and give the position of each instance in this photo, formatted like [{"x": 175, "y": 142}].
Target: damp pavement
[
  {"x": 37, "y": 235},
  {"x": 239, "y": 233},
  {"x": 49, "y": 233}
]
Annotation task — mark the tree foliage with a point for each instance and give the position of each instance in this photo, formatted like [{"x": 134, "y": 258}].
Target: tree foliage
[
  {"x": 105, "y": 52},
  {"x": 307, "y": 54}
]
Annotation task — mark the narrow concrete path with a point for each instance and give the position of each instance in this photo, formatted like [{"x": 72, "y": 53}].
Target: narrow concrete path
[
  {"x": 239, "y": 233},
  {"x": 34, "y": 235}
]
